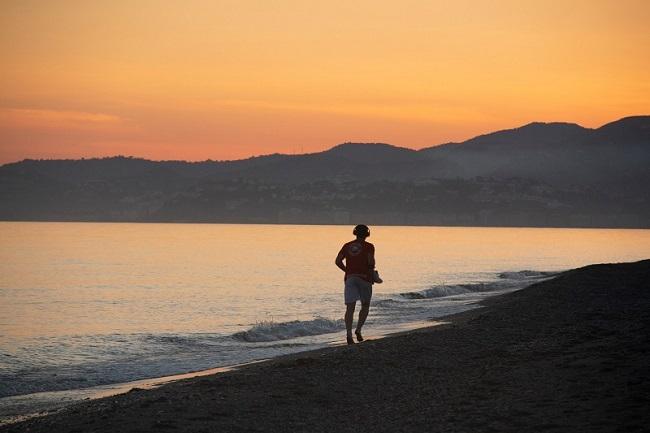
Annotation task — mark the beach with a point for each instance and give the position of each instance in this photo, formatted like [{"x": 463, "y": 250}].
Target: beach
[{"x": 567, "y": 354}]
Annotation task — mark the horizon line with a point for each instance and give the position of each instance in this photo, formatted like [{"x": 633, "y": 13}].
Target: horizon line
[{"x": 82, "y": 158}]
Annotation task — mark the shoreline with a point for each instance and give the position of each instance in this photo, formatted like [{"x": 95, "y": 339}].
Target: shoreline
[
  {"x": 566, "y": 354},
  {"x": 72, "y": 397}
]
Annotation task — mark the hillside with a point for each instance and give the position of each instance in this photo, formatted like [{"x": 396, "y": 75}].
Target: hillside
[
  {"x": 539, "y": 174},
  {"x": 558, "y": 153}
]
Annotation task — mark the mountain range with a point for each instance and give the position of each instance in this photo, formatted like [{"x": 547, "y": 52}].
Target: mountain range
[{"x": 540, "y": 174}]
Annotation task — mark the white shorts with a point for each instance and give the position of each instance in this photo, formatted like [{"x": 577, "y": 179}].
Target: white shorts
[{"x": 357, "y": 289}]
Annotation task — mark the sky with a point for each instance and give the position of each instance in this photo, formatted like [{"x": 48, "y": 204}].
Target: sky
[{"x": 214, "y": 79}]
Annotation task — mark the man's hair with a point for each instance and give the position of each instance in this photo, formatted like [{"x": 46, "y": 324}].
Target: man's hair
[{"x": 361, "y": 230}]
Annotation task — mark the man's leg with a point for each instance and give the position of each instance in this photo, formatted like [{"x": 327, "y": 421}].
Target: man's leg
[
  {"x": 363, "y": 314},
  {"x": 349, "y": 316}
]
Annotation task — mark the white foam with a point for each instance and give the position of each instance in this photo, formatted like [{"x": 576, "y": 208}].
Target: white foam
[
  {"x": 507, "y": 281},
  {"x": 451, "y": 290},
  {"x": 273, "y": 331},
  {"x": 525, "y": 275}
]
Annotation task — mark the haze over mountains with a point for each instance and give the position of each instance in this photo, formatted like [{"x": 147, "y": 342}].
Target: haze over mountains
[{"x": 540, "y": 174}]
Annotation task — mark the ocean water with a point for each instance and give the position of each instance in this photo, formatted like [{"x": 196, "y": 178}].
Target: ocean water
[{"x": 90, "y": 304}]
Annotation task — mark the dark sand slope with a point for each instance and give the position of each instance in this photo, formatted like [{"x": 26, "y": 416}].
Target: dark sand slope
[{"x": 570, "y": 354}]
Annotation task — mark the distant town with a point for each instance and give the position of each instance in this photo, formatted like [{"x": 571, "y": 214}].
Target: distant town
[{"x": 539, "y": 175}]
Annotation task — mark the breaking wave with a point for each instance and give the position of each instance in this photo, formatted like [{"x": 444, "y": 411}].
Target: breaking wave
[
  {"x": 273, "y": 331},
  {"x": 450, "y": 290},
  {"x": 525, "y": 275},
  {"x": 507, "y": 281},
  {"x": 385, "y": 303}
]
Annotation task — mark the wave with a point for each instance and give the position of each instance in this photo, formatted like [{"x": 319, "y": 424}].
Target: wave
[
  {"x": 508, "y": 281},
  {"x": 386, "y": 303},
  {"x": 273, "y": 331},
  {"x": 450, "y": 290},
  {"x": 525, "y": 275}
]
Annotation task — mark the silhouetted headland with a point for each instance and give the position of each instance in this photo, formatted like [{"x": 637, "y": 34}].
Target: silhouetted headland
[
  {"x": 538, "y": 175},
  {"x": 568, "y": 354}
]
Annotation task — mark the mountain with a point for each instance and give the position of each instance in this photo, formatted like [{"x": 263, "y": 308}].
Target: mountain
[
  {"x": 354, "y": 162},
  {"x": 634, "y": 130},
  {"x": 559, "y": 153},
  {"x": 565, "y": 173}
]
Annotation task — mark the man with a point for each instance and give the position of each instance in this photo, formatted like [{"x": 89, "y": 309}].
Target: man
[{"x": 359, "y": 267}]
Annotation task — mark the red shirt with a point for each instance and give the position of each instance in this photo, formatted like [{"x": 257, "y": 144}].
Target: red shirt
[{"x": 356, "y": 259}]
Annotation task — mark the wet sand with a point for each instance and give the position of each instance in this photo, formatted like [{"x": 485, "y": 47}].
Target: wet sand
[{"x": 570, "y": 354}]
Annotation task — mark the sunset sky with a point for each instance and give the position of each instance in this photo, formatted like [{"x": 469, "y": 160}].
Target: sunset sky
[{"x": 211, "y": 79}]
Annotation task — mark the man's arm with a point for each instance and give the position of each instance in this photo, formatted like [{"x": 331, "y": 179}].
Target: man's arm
[
  {"x": 339, "y": 261},
  {"x": 371, "y": 260}
]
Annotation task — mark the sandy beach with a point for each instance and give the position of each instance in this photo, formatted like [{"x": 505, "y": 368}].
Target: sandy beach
[{"x": 568, "y": 354}]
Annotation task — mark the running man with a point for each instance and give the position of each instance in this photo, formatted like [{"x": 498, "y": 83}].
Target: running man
[{"x": 359, "y": 267}]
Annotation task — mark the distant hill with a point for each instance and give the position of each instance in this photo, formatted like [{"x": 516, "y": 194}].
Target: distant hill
[
  {"x": 568, "y": 174},
  {"x": 559, "y": 153},
  {"x": 633, "y": 130}
]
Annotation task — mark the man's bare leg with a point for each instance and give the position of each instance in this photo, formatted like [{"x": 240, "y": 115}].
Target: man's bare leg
[
  {"x": 349, "y": 317},
  {"x": 363, "y": 314}
]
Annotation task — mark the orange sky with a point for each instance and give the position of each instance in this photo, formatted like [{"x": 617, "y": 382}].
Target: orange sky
[{"x": 212, "y": 79}]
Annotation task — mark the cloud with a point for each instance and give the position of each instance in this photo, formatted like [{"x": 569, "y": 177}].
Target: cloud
[{"x": 55, "y": 119}]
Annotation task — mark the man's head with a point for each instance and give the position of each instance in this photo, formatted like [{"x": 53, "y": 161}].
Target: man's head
[{"x": 361, "y": 231}]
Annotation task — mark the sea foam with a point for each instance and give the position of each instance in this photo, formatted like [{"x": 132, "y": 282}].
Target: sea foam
[
  {"x": 525, "y": 275},
  {"x": 273, "y": 331},
  {"x": 450, "y": 290},
  {"x": 507, "y": 280}
]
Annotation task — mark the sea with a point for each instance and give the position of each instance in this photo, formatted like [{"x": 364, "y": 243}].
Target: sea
[{"x": 89, "y": 309}]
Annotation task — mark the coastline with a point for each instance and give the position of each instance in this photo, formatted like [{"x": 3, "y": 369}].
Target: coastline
[
  {"x": 566, "y": 354},
  {"x": 45, "y": 403}
]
